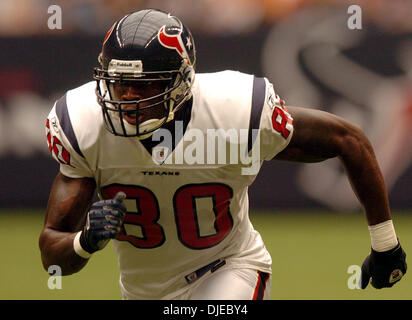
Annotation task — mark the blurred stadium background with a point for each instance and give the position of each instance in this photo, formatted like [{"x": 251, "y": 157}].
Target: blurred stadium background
[{"x": 307, "y": 214}]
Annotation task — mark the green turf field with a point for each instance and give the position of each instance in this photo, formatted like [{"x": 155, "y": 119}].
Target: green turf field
[{"x": 311, "y": 255}]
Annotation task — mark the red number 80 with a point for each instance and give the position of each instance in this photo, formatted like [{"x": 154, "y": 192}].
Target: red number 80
[{"x": 184, "y": 206}]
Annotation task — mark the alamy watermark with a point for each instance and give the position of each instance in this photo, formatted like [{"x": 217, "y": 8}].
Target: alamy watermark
[
  {"x": 355, "y": 18},
  {"x": 354, "y": 280},
  {"x": 208, "y": 147},
  {"x": 55, "y": 280},
  {"x": 55, "y": 19}
]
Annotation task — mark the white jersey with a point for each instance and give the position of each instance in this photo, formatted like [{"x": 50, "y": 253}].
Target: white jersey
[{"x": 188, "y": 206}]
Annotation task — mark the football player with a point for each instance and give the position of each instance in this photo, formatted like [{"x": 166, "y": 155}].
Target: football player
[{"x": 181, "y": 228}]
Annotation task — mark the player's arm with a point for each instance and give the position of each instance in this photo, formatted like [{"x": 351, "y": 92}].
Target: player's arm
[
  {"x": 66, "y": 213},
  {"x": 72, "y": 232},
  {"x": 318, "y": 136}
]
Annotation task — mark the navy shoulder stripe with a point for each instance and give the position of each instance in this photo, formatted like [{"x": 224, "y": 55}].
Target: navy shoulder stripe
[
  {"x": 65, "y": 123},
  {"x": 258, "y": 100}
]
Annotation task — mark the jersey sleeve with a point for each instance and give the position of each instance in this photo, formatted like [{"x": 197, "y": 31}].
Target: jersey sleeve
[
  {"x": 62, "y": 142},
  {"x": 276, "y": 124}
]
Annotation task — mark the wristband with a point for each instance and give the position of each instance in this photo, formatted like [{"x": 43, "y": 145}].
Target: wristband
[
  {"x": 78, "y": 248},
  {"x": 383, "y": 236}
]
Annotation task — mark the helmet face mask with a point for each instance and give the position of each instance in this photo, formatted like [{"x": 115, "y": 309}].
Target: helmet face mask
[
  {"x": 142, "y": 83},
  {"x": 143, "y": 108}
]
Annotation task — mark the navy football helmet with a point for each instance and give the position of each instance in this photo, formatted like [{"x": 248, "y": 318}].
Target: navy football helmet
[{"x": 145, "y": 49}]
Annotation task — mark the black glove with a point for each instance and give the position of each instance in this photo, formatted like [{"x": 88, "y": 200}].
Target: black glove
[
  {"x": 385, "y": 268},
  {"x": 104, "y": 220}
]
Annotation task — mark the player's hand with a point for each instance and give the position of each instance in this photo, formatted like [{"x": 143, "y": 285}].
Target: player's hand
[
  {"x": 383, "y": 269},
  {"x": 104, "y": 220}
]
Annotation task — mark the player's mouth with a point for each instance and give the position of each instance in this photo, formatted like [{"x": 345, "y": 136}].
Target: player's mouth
[{"x": 131, "y": 117}]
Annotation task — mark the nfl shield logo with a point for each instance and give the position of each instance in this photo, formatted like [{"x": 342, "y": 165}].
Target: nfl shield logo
[
  {"x": 159, "y": 154},
  {"x": 191, "y": 277}
]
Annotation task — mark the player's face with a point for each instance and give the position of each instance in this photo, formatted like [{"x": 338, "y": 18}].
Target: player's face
[{"x": 135, "y": 90}]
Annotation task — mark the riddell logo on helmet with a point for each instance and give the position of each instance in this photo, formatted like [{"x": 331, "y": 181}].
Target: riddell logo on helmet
[{"x": 124, "y": 64}]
